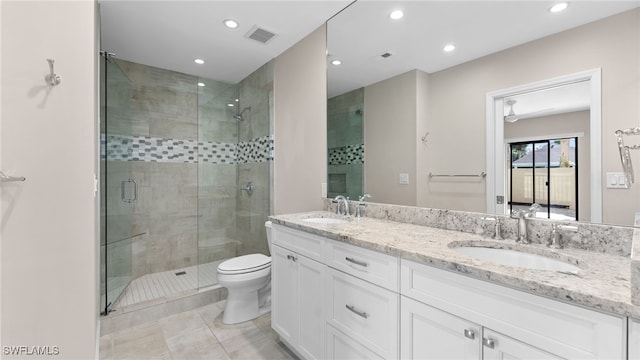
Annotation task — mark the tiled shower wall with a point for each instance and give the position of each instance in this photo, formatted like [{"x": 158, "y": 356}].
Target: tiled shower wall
[
  {"x": 187, "y": 157},
  {"x": 345, "y": 144}
]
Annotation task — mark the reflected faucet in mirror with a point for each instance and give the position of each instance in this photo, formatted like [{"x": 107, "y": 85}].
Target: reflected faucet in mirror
[
  {"x": 522, "y": 216},
  {"x": 361, "y": 203},
  {"x": 338, "y": 200}
]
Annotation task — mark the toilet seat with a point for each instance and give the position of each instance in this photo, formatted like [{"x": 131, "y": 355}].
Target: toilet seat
[{"x": 245, "y": 264}]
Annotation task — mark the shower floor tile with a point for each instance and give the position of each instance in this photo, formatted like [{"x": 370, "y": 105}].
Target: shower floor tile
[{"x": 168, "y": 284}]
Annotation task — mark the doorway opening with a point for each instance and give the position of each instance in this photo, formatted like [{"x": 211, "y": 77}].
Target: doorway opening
[
  {"x": 497, "y": 150},
  {"x": 545, "y": 172}
]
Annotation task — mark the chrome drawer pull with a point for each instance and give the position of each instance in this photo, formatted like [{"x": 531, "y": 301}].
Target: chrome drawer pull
[
  {"x": 357, "y": 262},
  {"x": 291, "y": 257},
  {"x": 488, "y": 343},
  {"x": 357, "y": 312},
  {"x": 469, "y": 334}
]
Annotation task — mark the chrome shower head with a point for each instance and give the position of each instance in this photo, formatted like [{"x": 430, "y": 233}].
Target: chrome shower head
[{"x": 240, "y": 116}]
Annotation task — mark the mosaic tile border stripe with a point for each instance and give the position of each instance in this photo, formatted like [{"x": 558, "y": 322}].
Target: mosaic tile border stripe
[
  {"x": 154, "y": 149},
  {"x": 346, "y": 155}
]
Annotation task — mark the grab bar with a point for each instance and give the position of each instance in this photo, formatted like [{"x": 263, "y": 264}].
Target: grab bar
[
  {"x": 7, "y": 178},
  {"x": 481, "y": 175}
]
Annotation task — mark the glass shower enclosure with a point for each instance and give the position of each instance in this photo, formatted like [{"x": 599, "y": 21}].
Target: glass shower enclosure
[
  {"x": 185, "y": 178},
  {"x": 118, "y": 188}
]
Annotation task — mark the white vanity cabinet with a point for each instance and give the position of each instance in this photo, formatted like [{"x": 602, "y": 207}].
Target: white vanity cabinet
[
  {"x": 634, "y": 339},
  {"x": 333, "y": 300},
  {"x": 535, "y": 327},
  {"x": 297, "y": 312}
]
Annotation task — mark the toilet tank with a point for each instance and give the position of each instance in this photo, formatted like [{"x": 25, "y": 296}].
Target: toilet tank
[{"x": 267, "y": 225}]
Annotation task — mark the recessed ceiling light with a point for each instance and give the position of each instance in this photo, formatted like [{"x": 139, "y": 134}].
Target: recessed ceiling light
[
  {"x": 231, "y": 24},
  {"x": 559, "y": 7},
  {"x": 336, "y": 62},
  {"x": 449, "y": 48},
  {"x": 200, "y": 84},
  {"x": 230, "y": 105},
  {"x": 198, "y": 61},
  {"x": 396, "y": 14}
]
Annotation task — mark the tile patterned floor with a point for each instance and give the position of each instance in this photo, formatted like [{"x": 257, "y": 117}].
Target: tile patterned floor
[
  {"x": 193, "y": 335},
  {"x": 167, "y": 283}
]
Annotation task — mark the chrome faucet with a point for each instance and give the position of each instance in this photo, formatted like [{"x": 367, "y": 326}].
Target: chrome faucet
[
  {"x": 341, "y": 199},
  {"x": 522, "y": 216}
]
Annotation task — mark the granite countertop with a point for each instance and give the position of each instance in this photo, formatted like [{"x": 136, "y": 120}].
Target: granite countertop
[{"x": 603, "y": 282}]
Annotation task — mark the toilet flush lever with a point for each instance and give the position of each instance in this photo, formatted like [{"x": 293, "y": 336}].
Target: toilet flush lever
[{"x": 292, "y": 258}]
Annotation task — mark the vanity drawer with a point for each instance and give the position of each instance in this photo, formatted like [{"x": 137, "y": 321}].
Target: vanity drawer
[
  {"x": 298, "y": 241},
  {"x": 378, "y": 268},
  {"x": 340, "y": 346},
  {"x": 364, "y": 312}
]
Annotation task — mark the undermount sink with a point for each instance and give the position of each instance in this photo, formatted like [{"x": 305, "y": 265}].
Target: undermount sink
[
  {"x": 517, "y": 258},
  {"x": 325, "y": 220}
]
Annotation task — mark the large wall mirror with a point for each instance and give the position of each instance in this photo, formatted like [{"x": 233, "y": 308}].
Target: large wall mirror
[{"x": 485, "y": 106}]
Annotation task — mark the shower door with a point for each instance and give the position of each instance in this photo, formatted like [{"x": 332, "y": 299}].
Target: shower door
[{"x": 118, "y": 188}]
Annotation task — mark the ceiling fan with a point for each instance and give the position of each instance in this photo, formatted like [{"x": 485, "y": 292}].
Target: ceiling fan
[{"x": 512, "y": 117}]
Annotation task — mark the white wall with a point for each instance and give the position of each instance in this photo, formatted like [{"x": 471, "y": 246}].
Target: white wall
[
  {"x": 49, "y": 231},
  {"x": 300, "y": 125},
  {"x": 390, "y": 113}
]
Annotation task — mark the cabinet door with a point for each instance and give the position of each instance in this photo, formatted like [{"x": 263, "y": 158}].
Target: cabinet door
[
  {"x": 499, "y": 347},
  {"x": 429, "y": 333},
  {"x": 284, "y": 304},
  {"x": 311, "y": 315}
]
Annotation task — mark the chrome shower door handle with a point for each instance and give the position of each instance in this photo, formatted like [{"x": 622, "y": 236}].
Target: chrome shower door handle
[{"x": 122, "y": 191}]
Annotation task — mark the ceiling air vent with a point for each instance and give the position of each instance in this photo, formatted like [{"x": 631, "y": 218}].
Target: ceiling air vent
[{"x": 259, "y": 34}]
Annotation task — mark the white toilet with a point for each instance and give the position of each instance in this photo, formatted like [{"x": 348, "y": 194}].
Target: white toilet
[{"x": 248, "y": 281}]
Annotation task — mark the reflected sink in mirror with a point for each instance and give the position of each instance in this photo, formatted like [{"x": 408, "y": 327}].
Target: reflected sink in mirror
[
  {"x": 324, "y": 220},
  {"x": 515, "y": 258}
]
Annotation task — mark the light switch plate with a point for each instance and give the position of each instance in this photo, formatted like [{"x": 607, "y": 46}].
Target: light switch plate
[
  {"x": 403, "y": 179},
  {"x": 616, "y": 180}
]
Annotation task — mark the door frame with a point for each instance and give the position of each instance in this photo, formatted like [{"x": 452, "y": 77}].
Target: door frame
[{"x": 497, "y": 147}]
